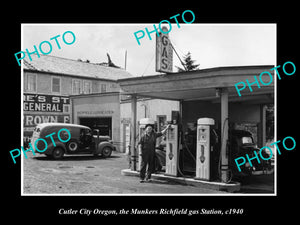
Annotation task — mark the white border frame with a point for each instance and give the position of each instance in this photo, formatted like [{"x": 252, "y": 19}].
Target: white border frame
[{"x": 156, "y": 194}]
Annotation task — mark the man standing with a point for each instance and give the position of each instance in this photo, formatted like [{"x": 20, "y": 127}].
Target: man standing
[{"x": 148, "y": 142}]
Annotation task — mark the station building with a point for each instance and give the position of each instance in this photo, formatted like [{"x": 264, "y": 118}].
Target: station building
[{"x": 49, "y": 82}]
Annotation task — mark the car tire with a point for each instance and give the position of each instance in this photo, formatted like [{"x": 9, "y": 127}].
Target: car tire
[
  {"x": 72, "y": 146},
  {"x": 106, "y": 151},
  {"x": 58, "y": 153}
]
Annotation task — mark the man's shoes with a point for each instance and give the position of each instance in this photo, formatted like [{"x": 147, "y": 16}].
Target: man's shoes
[
  {"x": 142, "y": 181},
  {"x": 148, "y": 180}
]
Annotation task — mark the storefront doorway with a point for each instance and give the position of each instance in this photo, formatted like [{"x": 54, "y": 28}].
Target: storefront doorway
[{"x": 104, "y": 124}]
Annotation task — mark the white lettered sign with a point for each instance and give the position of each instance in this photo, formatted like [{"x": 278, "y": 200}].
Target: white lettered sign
[{"x": 164, "y": 53}]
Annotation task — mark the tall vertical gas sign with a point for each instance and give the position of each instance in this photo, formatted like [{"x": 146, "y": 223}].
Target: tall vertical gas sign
[{"x": 164, "y": 52}]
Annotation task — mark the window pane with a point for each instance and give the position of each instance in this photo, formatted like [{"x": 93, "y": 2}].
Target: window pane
[
  {"x": 55, "y": 84},
  {"x": 76, "y": 87},
  {"x": 87, "y": 87},
  {"x": 103, "y": 88},
  {"x": 247, "y": 140},
  {"x": 31, "y": 82}
]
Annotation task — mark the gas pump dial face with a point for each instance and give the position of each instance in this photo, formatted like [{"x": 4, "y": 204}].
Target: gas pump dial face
[
  {"x": 202, "y": 134},
  {"x": 171, "y": 135},
  {"x": 202, "y": 137}
]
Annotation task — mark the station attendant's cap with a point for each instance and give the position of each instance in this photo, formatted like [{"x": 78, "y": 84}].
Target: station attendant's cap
[{"x": 147, "y": 125}]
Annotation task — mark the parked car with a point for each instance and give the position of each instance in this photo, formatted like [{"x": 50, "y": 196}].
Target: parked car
[
  {"x": 82, "y": 140},
  {"x": 241, "y": 143}
]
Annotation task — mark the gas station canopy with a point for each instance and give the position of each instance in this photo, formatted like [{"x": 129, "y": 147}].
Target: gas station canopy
[
  {"x": 202, "y": 85},
  {"x": 214, "y": 85}
]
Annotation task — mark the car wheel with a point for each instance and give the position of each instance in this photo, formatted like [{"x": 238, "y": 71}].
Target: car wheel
[
  {"x": 58, "y": 153},
  {"x": 106, "y": 152},
  {"x": 72, "y": 146}
]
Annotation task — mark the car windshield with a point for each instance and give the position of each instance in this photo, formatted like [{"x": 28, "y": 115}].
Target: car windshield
[{"x": 247, "y": 140}]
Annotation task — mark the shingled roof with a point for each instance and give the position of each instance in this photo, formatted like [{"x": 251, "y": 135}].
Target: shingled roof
[{"x": 58, "y": 65}]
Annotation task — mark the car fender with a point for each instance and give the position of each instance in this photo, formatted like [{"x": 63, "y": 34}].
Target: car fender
[
  {"x": 51, "y": 147},
  {"x": 102, "y": 145}
]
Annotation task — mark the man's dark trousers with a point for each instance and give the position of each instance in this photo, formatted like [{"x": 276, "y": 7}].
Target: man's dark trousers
[{"x": 147, "y": 159}]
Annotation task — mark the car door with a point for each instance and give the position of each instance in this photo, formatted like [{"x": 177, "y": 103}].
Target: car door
[{"x": 85, "y": 137}]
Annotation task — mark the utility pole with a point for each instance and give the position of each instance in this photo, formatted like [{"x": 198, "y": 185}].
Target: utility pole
[
  {"x": 133, "y": 152},
  {"x": 125, "y": 59}
]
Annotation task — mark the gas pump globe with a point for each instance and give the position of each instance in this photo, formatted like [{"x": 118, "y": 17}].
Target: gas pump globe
[{"x": 203, "y": 153}]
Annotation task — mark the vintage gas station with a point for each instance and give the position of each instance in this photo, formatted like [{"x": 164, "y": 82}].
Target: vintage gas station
[
  {"x": 207, "y": 93},
  {"x": 208, "y": 99}
]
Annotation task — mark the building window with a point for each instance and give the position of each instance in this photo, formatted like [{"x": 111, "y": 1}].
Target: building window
[
  {"x": 55, "y": 84},
  {"x": 161, "y": 122},
  {"x": 103, "y": 88},
  {"x": 87, "y": 87},
  {"x": 76, "y": 87},
  {"x": 113, "y": 85},
  {"x": 66, "y": 108},
  {"x": 31, "y": 83}
]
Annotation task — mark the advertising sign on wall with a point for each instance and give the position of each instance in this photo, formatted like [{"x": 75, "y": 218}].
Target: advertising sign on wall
[
  {"x": 39, "y": 108},
  {"x": 31, "y": 120},
  {"x": 45, "y": 103}
]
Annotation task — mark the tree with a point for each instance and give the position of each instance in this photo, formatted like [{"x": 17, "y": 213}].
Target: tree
[{"x": 188, "y": 63}]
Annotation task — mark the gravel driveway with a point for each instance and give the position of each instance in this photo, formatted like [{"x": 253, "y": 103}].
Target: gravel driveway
[{"x": 86, "y": 174}]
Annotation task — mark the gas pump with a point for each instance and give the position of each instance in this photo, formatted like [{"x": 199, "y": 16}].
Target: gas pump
[
  {"x": 204, "y": 149},
  {"x": 142, "y": 124},
  {"x": 172, "y": 153}
]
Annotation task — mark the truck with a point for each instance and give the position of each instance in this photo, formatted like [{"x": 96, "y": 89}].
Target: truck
[{"x": 82, "y": 140}]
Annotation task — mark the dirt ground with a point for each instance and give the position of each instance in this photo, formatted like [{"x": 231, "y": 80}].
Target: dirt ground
[{"x": 86, "y": 174}]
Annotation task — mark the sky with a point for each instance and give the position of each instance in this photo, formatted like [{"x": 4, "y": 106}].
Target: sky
[{"x": 211, "y": 45}]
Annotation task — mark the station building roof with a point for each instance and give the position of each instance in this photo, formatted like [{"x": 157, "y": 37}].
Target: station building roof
[{"x": 70, "y": 67}]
